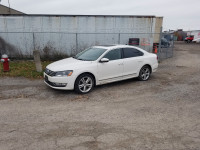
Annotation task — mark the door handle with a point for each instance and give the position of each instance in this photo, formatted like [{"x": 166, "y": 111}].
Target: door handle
[{"x": 120, "y": 64}]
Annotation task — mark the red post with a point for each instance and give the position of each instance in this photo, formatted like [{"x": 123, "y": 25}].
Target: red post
[{"x": 5, "y": 61}]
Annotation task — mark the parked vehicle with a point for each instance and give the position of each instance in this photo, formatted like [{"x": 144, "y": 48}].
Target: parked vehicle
[
  {"x": 197, "y": 40},
  {"x": 165, "y": 43},
  {"x": 100, "y": 65},
  {"x": 189, "y": 39}
]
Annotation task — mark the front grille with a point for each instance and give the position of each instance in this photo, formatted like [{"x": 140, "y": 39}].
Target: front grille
[
  {"x": 52, "y": 83},
  {"x": 49, "y": 72}
]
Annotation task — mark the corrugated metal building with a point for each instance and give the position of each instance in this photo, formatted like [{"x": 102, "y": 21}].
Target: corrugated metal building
[{"x": 71, "y": 33}]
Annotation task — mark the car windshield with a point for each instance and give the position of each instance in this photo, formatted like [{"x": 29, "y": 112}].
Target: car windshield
[{"x": 90, "y": 54}]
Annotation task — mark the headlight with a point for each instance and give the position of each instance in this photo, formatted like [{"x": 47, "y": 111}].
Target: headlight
[{"x": 64, "y": 73}]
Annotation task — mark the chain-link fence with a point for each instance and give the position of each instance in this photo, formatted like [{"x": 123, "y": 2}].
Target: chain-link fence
[
  {"x": 17, "y": 44},
  {"x": 166, "y": 46}
]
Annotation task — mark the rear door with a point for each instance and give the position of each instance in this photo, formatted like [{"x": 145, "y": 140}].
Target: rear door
[{"x": 133, "y": 61}]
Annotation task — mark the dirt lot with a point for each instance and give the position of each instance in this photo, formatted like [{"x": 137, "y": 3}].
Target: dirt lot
[{"x": 161, "y": 114}]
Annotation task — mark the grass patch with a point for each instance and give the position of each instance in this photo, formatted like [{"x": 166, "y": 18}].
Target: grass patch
[{"x": 23, "y": 69}]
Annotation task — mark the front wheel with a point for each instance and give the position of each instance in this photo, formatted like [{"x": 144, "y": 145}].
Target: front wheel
[
  {"x": 84, "y": 84},
  {"x": 145, "y": 73}
]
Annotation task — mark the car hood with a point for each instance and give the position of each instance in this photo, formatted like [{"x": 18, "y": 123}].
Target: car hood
[{"x": 67, "y": 64}]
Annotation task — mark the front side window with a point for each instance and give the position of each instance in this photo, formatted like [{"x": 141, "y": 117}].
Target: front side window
[
  {"x": 113, "y": 54},
  {"x": 131, "y": 52},
  {"x": 90, "y": 54}
]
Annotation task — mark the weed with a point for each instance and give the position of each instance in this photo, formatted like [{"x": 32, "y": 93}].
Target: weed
[{"x": 23, "y": 69}]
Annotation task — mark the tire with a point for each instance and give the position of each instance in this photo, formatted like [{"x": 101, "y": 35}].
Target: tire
[
  {"x": 84, "y": 84},
  {"x": 145, "y": 73}
]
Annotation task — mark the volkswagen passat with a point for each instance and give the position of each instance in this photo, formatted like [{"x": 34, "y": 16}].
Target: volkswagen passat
[{"x": 100, "y": 65}]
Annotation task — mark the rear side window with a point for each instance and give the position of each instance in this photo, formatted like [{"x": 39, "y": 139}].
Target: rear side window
[
  {"x": 131, "y": 52},
  {"x": 113, "y": 54}
]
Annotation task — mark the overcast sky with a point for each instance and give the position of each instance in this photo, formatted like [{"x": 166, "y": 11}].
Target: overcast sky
[{"x": 178, "y": 14}]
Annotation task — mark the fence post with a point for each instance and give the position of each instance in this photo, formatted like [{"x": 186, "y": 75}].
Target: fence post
[
  {"x": 36, "y": 55},
  {"x": 33, "y": 41},
  {"x": 159, "y": 46},
  {"x": 173, "y": 47},
  {"x": 76, "y": 42},
  {"x": 119, "y": 38}
]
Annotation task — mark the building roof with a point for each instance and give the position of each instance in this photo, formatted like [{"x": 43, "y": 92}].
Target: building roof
[
  {"x": 4, "y": 10},
  {"x": 74, "y": 15}
]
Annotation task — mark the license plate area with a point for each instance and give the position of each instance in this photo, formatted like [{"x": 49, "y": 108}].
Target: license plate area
[{"x": 46, "y": 79}]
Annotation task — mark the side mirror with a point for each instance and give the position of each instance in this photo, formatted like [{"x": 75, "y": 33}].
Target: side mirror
[{"x": 103, "y": 60}]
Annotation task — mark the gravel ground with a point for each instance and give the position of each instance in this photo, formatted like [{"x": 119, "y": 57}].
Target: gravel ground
[{"x": 160, "y": 114}]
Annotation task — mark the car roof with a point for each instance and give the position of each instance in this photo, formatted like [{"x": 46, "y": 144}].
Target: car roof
[
  {"x": 108, "y": 45},
  {"x": 113, "y": 46},
  {"x": 119, "y": 46}
]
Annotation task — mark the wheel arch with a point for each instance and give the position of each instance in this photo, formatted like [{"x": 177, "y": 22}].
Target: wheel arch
[
  {"x": 148, "y": 66},
  {"x": 89, "y": 74}
]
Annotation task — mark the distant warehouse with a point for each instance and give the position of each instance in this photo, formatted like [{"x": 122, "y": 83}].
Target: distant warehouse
[{"x": 69, "y": 34}]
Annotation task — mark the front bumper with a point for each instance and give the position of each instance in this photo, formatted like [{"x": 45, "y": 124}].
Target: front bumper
[{"x": 62, "y": 83}]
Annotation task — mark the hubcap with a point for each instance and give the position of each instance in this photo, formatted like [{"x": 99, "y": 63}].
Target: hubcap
[
  {"x": 85, "y": 84},
  {"x": 145, "y": 73}
]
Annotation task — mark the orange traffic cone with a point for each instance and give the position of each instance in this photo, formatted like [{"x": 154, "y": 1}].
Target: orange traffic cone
[{"x": 156, "y": 50}]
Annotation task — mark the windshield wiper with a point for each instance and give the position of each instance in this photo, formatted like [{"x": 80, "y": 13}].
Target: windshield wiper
[
  {"x": 83, "y": 59},
  {"x": 80, "y": 59}
]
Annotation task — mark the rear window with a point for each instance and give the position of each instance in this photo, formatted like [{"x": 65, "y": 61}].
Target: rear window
[{"x": 131, "y": 52}]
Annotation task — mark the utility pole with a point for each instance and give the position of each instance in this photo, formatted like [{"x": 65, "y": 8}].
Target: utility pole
[{"x": 9, "y": 6}]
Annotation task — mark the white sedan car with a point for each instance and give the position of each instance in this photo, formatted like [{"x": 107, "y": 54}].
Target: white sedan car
[
  {"x": 100, "y": 65},
  {"x": 197, "y": 40}
]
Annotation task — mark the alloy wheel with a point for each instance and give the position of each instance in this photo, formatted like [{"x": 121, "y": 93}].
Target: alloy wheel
[
  {"x": 85, "y": 84},
  {"x": 145, "y": 73}
]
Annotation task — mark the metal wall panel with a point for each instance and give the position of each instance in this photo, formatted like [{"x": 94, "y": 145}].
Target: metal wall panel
[{"x": 70, "y": 34}]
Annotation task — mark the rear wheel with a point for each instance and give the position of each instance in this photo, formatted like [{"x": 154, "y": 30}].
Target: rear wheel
[
  {"x": 145, "y": 73},
  {"x": 84, "y": 84}
]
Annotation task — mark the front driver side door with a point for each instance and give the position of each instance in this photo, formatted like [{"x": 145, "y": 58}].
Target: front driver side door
[{"x": 113, "y": 70}]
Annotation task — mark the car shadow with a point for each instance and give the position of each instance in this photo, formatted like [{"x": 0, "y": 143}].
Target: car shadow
[{"x": 119, "y": 84}]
